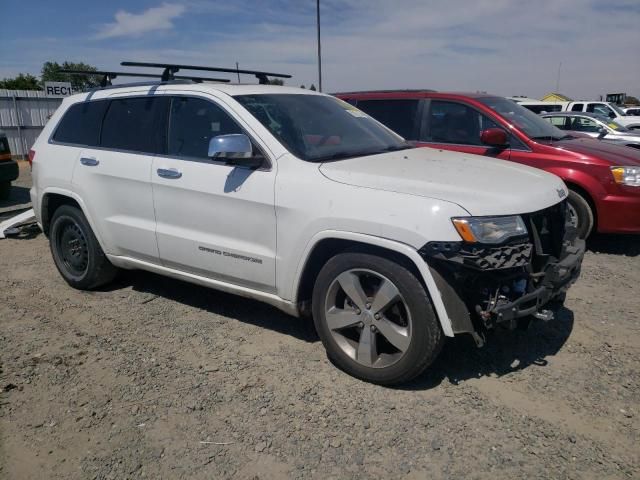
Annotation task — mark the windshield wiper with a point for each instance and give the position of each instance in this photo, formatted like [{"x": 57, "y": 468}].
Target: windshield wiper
[
  {"x": 362, "y": 153},
  {"x": 551, "y": 138}
]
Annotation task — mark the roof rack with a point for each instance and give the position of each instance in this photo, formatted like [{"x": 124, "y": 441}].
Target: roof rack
[
  {"x": 107, "y": 76},
  {"x": 170, "y": 69}
]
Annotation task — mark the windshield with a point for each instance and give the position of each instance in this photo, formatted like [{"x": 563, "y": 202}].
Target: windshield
[
  {"x": 617, "y": 109},
  {"x": 612, "y": 124},
  {"x": 532, "y": 125},
  {"x": 318, "y": 128}
]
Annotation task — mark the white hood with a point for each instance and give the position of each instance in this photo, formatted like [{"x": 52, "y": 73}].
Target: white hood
[{"x": 481, "y": 185}]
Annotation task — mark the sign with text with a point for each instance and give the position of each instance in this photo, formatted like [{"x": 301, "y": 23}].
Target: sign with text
[{"x": 57, "y": 89}]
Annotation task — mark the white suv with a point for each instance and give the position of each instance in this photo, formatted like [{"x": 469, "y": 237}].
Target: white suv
[{"x": 300, "y": 200}]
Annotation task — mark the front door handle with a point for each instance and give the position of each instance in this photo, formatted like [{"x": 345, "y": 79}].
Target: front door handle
[
  {"x": 89, "y": 162},
  {"x": 169, "y": 173}
]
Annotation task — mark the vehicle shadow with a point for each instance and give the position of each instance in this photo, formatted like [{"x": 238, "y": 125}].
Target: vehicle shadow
[
  {"x": 17, "y": 196},
  {"x": 628, "y": 245},
  {"x": 505, "y": 352},
  {"x": 216, "y": 302}
]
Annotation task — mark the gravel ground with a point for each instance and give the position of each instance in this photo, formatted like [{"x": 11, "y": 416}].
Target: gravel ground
[{"x": 155, "y": 378}]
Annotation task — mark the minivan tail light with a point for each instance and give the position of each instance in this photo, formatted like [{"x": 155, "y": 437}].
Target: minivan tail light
[{"x": 32, "y": 155}]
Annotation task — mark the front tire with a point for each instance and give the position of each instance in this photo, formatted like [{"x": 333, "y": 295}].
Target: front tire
[
  {"x": 375, "y": 318},
  {"x": 76, "y": 251},
  {"x": 580, "y": 214}
]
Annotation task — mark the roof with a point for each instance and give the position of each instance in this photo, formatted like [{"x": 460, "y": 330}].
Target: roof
[
  {"x": 571, "y": 114},
  {"x": 412, "y": 93},
  {"x": 229, "y": 89},
  {"x": 559, "y": 96}
]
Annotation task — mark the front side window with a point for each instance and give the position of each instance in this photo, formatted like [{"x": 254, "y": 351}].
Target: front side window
[
  {"x": 529, "y": 123},
  {"x": 601, "y": 109},
  {"x": 81, "y": 123},
  {"x": 451, "y": 122},
  {"x": 577, "y": 107},
  {"x": 319, "y": 128},
  {"x": 398, "y": 115},
  {"x": 583, "y": 124},
  {"x": 135, "y": 124},
  {"x": 193, "y": 122}
]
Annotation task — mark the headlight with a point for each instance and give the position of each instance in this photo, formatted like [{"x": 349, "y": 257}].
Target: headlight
[
  {"x": 626, "y": 175},
  {"x": 489, "y": 229}
]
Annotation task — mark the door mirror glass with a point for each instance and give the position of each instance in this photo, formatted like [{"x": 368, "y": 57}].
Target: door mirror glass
[
  {"x": 236, "y": 149},
  {"x": 495, "y": 137}
]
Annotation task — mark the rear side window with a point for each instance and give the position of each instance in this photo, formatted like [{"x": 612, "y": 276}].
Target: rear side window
[
  {"x": 577, "y": 107},
  {"x": 398, "y": 115},
  {"x": 135, "y": 124},
  {"x": 560, "y": 122},
  {"x": 80, "y": 124},
  {"x": 195, "y": 121}
]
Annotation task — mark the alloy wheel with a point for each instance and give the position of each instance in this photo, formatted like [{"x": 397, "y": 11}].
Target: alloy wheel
[{"x": 368, "y": 318}]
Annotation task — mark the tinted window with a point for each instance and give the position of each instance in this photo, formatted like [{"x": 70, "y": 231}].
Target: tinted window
[
  {"x": 398, "y": 115},
  {"x": 577, "y": 107},
  {"x": 81, "y": 124},
  {"x": 4, "y": 145},
  {"x": 583, "y": 124},
  {"x": 135, "y": 124},
  {"x": 543, "y": 108},
  {"x": 451, "y": 122},
  {"x": 193, "y": 122}
]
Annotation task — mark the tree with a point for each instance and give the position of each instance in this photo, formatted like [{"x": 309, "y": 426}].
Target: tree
[
  {"x": 21, "y": 82},
  {"x": 631, "y": 100},
  {"x": 312, "y": 87},
  {"x": 302, "y": 86},
  {"x": 51, "y": 73},
  {"x": 276, "y": 81}
]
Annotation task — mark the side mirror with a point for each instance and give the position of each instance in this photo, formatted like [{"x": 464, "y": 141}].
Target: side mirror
[
  {"x": 495, "y": 137},
  {"x": 236, "y": 149},
  {"x": 602, "y": 133}
]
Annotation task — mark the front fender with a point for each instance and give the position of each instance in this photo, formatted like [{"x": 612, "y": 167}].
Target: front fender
[{"x": 395, "y": 246}]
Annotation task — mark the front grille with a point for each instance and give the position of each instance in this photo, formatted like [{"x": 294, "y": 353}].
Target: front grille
[{"x": 547, "y": 229}]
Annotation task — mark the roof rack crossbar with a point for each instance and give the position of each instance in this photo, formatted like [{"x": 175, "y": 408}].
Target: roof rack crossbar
[
  {"x": 107, "y": 76},
  {"x": 170, "y": 69}
]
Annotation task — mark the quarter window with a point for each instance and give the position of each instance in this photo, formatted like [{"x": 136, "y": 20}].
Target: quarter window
[
  {"x": 80, "y": 125},
  {"x": 195, "y": 121},
  {"x": 135, "y": 124},
  {"x": 451, "y": 122},
  {"x": 398, "y": 115}
]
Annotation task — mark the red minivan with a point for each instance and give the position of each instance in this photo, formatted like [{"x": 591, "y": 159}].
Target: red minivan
[{"x": 603, "y": 179}]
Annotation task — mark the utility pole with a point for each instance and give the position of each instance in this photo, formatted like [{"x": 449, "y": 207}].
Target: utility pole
[
  {"x": 319, "y": 50},
  {"x": 238, "y": 71},
  {"x": 558, "y": 80}
]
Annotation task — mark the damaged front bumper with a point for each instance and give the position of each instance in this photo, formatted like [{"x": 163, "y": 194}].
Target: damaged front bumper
[{"x": 483, "y": 286}]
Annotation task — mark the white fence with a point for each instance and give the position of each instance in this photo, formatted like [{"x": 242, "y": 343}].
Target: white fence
[{"x": 23, "y": 113}]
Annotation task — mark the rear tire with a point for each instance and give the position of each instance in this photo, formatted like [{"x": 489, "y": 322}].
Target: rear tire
[
  {"x": 76, "y": 251},
  {"x": 375, "y": 318},
  {"x": 580, "y": 210},
  {"x": 5, "y": 190}
]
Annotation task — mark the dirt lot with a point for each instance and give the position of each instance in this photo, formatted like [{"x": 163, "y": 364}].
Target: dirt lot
[{"x": 156, "y": 378}]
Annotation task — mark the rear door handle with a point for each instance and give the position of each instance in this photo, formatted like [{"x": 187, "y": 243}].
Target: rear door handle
[
  {"x": 169, "y": 173},
  {"x": 89, "y": 162}
]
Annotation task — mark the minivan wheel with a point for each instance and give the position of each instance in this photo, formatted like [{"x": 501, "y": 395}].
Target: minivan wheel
[
  {"x": 76, "y": 251},
  {"x": 580, "y": 214},
  {"x": 375, "y": 318}
]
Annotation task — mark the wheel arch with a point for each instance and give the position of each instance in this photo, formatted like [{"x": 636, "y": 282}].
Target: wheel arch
[
  {"x": 583, "y": 192},
  {"x": 327, "y": 244}
]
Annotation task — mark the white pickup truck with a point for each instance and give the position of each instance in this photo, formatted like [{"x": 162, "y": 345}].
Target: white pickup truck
[{"x": 602, "y": 108}]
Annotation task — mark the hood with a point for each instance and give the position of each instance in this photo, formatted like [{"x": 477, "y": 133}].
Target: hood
[
  {"x": 480, "y": 185},
  {"x": 615, "y": 155}
]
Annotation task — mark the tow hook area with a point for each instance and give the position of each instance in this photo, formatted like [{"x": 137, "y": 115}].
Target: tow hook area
[{"x": 544, "y": 315}]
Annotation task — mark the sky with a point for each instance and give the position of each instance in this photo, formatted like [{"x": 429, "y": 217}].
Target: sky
[{"x": 506, "y": 47}]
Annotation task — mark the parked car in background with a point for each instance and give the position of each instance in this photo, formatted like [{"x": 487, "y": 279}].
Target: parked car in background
[
  {"x": 8, "y": 167},
  {"x": 594, "y": 125},
  {"x": 302, "y": 201},
  {"x": 635, "y": 110},
  {"x": 603, "y": 179},
  {"x": 606, "y": 109}
]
